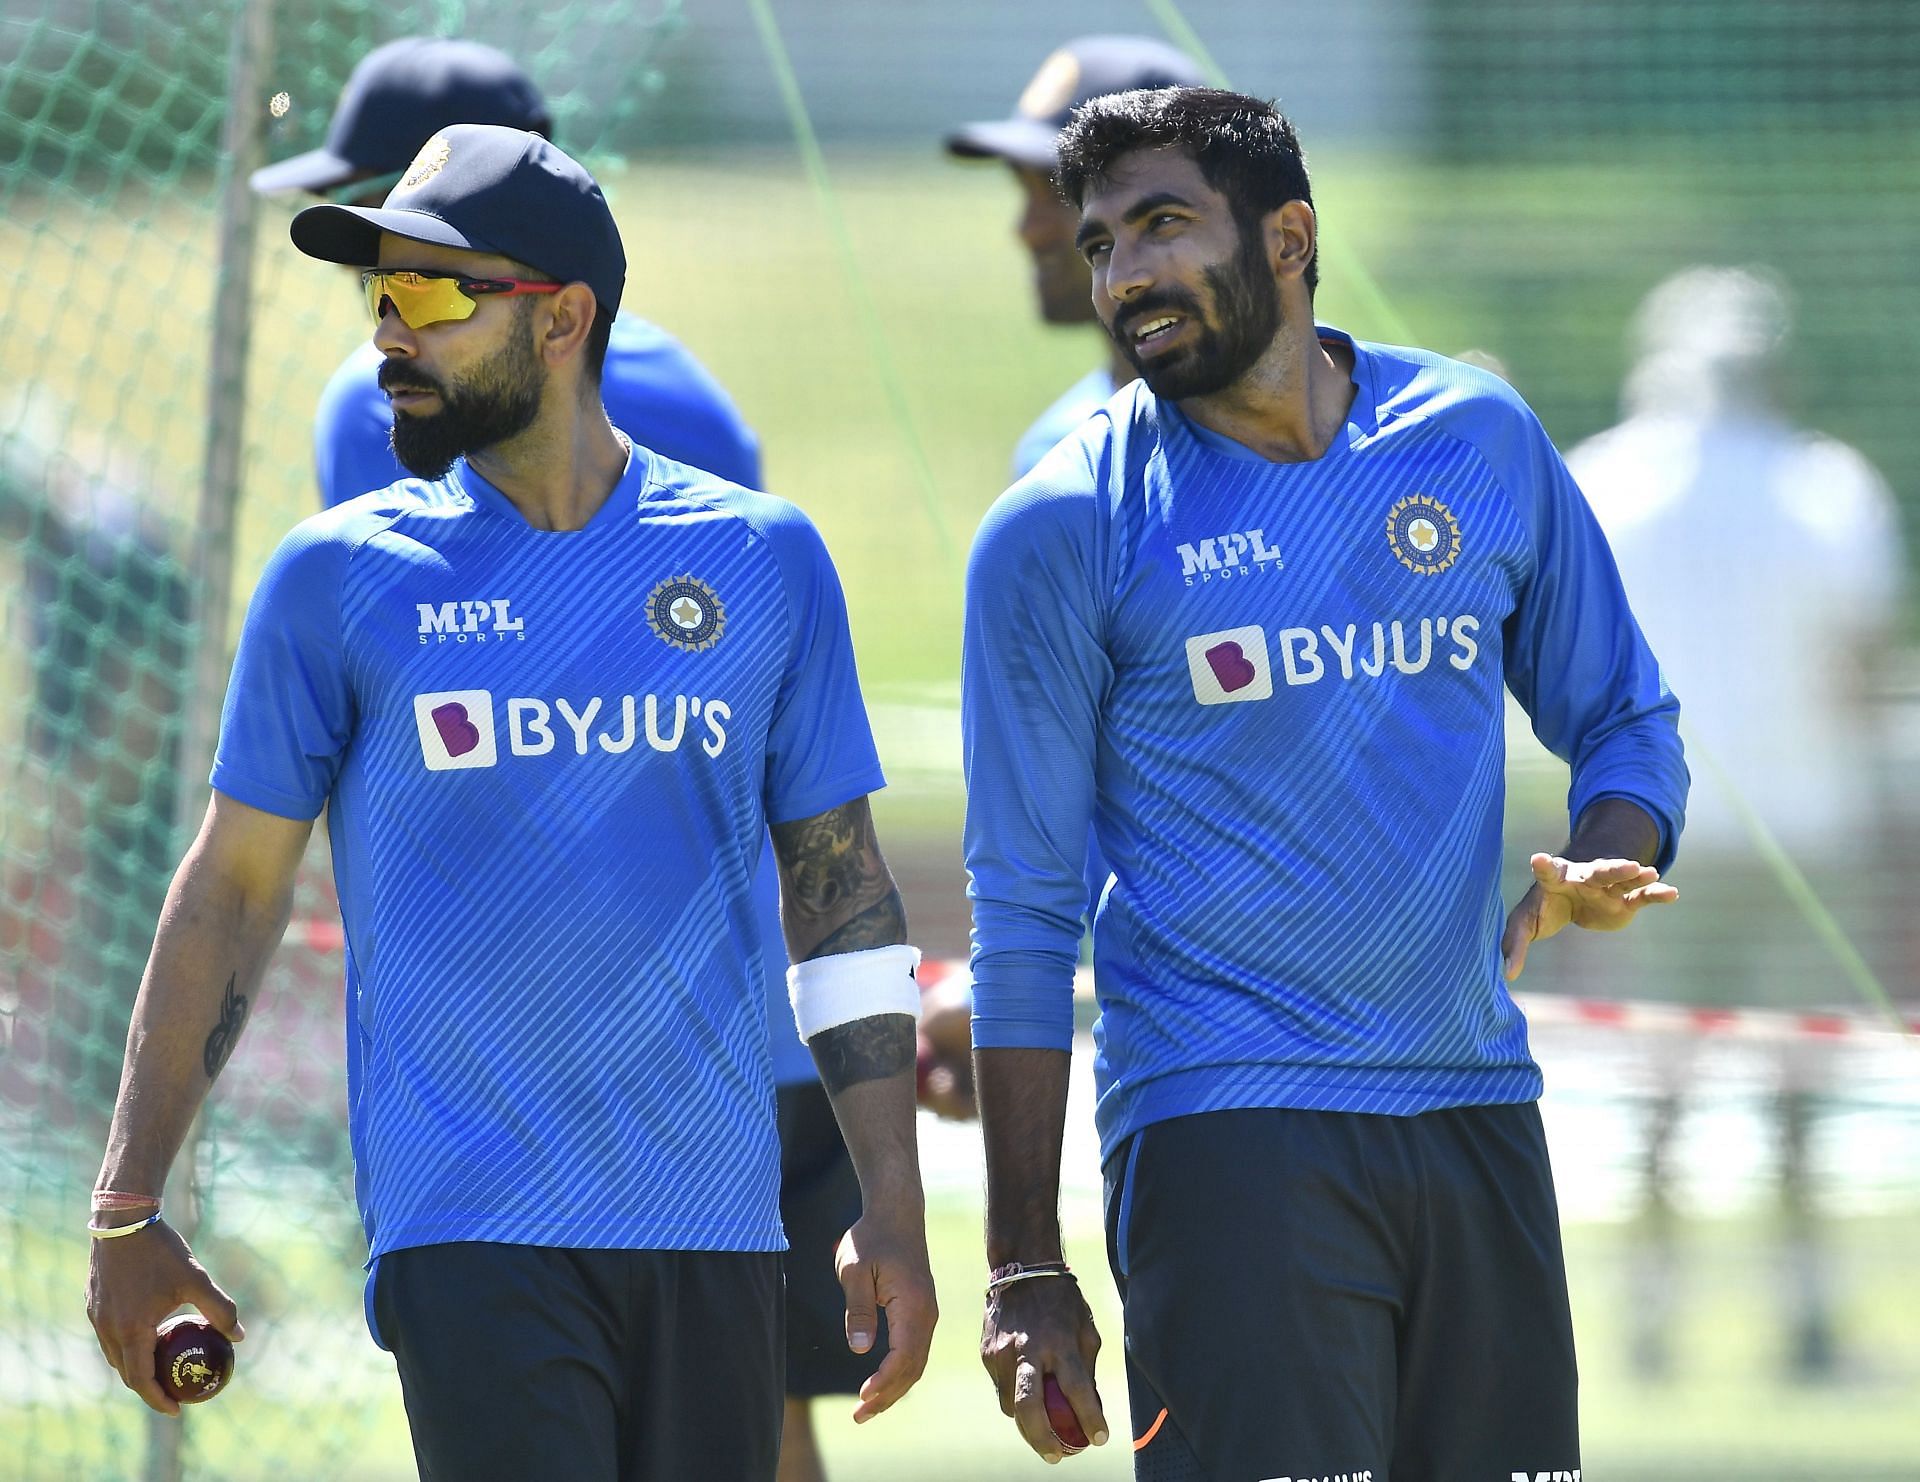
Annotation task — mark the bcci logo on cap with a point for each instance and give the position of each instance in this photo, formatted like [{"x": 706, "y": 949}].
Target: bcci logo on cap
[
  {"x": 456, "y": 729},
  {"x": 429, "y": 162},
  {"x": 686, "y": 613}
]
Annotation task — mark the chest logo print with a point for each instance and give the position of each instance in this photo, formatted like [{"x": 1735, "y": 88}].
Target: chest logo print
[
  {"x": 686, "y": 613},
  {"x": 1423, "y": 534},
  {"x": 1230, "y": 666}
]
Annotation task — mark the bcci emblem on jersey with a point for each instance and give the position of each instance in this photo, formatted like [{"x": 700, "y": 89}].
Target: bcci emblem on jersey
[
  {"x": 1423, "y": 534},
  {"x": 687, "y": 613}
]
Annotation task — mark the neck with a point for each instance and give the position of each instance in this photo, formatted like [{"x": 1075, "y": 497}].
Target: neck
[
  {"x": 560, "y": 470},
  {"x": 1293, "y": 402}
]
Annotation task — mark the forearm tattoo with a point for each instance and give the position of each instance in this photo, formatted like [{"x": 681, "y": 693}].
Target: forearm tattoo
[
  {"x": 835, "y": 891},
  {"x": 865, "y": 1050},
  {"x": 226, "y": 1033}
]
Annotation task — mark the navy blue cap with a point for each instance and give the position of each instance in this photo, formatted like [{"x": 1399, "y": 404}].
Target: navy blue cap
[
  {"x": 1087, "y": 68},
  {"x": 489, "y": 189},
  {"x": 400, "y": 96}
]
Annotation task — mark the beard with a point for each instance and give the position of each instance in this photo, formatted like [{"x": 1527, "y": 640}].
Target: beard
[
  {"x": 498, "y": 399},
  {"x": 1247, "y": 316}
]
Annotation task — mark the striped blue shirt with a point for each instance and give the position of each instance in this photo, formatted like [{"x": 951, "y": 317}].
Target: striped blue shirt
[
  {"x": 548, "y": 761},
  {"x": 1276, "y": 691}
]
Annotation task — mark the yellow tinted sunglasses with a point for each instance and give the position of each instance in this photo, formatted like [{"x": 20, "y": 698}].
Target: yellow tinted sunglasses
[{"x": 421, "y": 299}]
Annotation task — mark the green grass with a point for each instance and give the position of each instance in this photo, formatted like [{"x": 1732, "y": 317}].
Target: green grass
[{"x": 314, "y": 1399}]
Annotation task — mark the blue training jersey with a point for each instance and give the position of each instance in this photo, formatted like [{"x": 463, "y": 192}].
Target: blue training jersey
[
  {"x": 548, "y": 761},
  {"x": 663, "y": 399},
  {"x": 1276, "y": 691}
]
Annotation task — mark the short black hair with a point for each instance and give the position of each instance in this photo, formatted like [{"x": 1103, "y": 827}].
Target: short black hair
[{"x": 1245, "y": 147}]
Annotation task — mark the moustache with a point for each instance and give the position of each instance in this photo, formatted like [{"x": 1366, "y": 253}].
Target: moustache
[
  {"x": 394, "y": 376},
  {"x": 1165, "y": 301}
]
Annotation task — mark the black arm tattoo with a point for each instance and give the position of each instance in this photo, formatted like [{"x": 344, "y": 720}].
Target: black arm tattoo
[
  {"x": 835, "y": 892},
  {"x": 865, "y": 1050},
  {"x": 233, "y": 1017}
]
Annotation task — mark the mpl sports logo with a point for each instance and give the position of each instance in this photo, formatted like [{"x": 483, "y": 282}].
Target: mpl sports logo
[
  {"x": 1224, "y": 557},
  {"x": 457, "y": 727},
  {"x": 476, "y": 620}
]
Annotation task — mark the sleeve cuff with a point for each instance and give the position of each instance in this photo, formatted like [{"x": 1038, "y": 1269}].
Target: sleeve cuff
[{"x": 1024, "y": 1004}]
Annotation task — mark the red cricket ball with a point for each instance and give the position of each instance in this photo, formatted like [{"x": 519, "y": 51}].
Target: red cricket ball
[
  {"x": 1066, "y": 1425},
  {"x": 192, "y": 1359}
]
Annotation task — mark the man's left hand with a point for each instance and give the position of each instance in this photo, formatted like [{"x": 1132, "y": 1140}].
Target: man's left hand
[
  {"x": 882, "y": 1263},
  {"x": 1599, "y": 894}
]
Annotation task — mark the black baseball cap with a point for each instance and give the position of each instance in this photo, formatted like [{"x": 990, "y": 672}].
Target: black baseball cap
[
  {"x": 490, "y": 189},
  {"x": 399, "y": 96},
  {"x": 1087, "y": 68}
]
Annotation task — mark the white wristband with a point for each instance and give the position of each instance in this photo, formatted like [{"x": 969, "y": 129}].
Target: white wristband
[{"x": 827, "y": 992}]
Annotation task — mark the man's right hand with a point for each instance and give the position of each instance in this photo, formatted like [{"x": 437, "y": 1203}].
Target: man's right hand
[
  {"x": 1032, "y": 1329},
  {"x": 136, "y": 1282}
]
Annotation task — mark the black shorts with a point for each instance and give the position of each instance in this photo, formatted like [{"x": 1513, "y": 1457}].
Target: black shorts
[
  {"x": 819, "y": 1200},
  {"x": 1340, "y": 1297},
  {"x": 521, "y": 1361}
]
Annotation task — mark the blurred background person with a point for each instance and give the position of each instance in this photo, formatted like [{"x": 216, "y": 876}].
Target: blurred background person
[
  {"x": 1766, "y": 565},
  {"x": 1027, "y": 143}
]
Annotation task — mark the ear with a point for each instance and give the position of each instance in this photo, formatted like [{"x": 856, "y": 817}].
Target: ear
[
  {"x": 1292, "y": 236},
  {"x": 566, "y": 323}
]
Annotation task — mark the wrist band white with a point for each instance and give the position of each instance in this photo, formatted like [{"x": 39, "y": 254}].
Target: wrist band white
[
  {"x": 827, "y": 992},
  {"x": 114, "y": 1232}
]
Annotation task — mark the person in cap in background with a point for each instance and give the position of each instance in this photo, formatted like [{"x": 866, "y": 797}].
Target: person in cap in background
[
  {"x": 550, "y": 695},
  {"x": 399, "y": 96},
  {"x": 1767, "y": 566},
  {"x": 657, "y": 393},
  {"x": 1027, "y": 143}
]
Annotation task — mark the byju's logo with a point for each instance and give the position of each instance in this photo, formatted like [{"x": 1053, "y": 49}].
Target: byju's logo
[
  {"x": 1230, "y": 666},
  {"x": 456, "y": 729},
  {"x": 473, "y": 621},
  {"x": 1559, "y": 1476}
]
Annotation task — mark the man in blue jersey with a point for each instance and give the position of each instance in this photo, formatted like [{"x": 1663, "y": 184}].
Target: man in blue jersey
[
  {"x": 398, "y": 97},
  {"x": 658, "y": 394},
  {"x": 1254, "y": 620},
  {"x": 550, "y": 692},
  {"x": 1087, "y": 67}
]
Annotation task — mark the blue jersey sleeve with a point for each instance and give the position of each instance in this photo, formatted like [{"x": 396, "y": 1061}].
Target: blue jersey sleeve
[
  {"x": 820, "y": 750},
  {"x": 353, "y": 432},
  {"x": 1034, "y": 672},
  {"x": 1575, "y": 658},
  {"x": 289, "y": 708}
]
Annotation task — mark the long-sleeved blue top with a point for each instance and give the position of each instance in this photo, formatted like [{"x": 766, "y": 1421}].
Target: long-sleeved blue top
[{"x": 1275, "y": 690}]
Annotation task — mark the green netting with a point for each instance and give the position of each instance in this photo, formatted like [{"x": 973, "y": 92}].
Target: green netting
[{"x": 1509, "y": 176}]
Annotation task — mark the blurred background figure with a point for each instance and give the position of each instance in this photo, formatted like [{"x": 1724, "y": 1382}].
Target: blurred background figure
[
  {"x": 1765, "y": 564},
  {"x": 1027, "y": 143}
]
